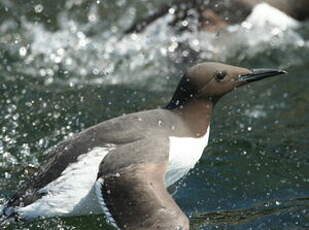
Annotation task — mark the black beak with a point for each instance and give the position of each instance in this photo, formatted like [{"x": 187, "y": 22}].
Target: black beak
[{"x": 259, "y": 74}]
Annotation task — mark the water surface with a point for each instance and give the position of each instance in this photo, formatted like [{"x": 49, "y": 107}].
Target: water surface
[{"x": 66, "y": 65}]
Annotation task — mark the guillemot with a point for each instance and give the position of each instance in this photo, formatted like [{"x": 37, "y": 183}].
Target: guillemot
[
  {"x": 215, "y": 15},
  {"x": 123, "y": 166}
]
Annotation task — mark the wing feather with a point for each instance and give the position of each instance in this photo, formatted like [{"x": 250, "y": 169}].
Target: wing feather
[
  {"x": 98, "y": 189},
  {"x": 135, "y": 198}
]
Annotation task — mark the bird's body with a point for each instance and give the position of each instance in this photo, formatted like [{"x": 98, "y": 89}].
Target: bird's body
[
  {"x": 63, "y": 196},
  {"x": 122, "y": 166}
]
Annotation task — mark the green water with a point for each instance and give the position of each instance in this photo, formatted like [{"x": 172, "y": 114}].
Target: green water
[{"x": 65, "y": 67}]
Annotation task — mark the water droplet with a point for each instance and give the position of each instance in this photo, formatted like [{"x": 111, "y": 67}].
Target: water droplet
[
  {"x": 95, "y": 71},
  {"x": 56, "y": 115},
  {"x": 185, "y": 23},
  {"x": 38, "y": 8},
  {"x": 246, "y": 25},
  {"x": 15, "y": 116},
  {"x": 171, "y": 11},
  {"x": 92, "y": 18},
  {"x": 195, "y": 42},
  {"x": 173, "y": 46},
  {"x": 42, "y": 72},
  {"x": 57, "y": 59},
  {"x": 22, "y": 51},
  {"x": 7, "y": 175}
]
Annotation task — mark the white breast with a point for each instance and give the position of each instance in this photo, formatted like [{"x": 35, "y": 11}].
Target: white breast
[
  {"x": 184, "y": 153},
  {"x": 73, "y": 193}
]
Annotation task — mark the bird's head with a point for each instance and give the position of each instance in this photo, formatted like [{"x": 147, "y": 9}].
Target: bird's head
[{"x": 212, "y": 80}]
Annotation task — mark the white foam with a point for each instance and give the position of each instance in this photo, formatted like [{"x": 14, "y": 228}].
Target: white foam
[
  {"x": 264, "y": 15},
  {"x": 108, "y": 57},
  {"x": 265, "y": 28},
  {"x": 98, "y": 55}
]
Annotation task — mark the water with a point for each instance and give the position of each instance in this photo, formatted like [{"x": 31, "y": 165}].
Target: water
[{"x": 67, "y": 65}]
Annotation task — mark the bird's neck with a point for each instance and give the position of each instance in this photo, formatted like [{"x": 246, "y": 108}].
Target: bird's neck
[
  {"x": 196, "y": 114},
  {"x": 184, "y": 93}
]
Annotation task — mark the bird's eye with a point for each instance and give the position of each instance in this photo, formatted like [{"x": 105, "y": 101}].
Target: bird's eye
[{"x": 220, "y": 75}]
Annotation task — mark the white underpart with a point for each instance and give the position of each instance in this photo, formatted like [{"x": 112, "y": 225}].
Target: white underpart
[
  {"x": 184, "y": 153},
  {"x": 73, "y": 193}
]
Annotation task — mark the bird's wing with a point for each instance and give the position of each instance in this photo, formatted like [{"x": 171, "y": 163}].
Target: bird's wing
[
  {"x": 136, "y": 198},
  {"x": 133, "y": 196}
]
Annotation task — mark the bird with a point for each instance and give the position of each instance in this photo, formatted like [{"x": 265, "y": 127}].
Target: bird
[
  {"x": 215, "y": 15},
  {"x": 122, "y": 167}
]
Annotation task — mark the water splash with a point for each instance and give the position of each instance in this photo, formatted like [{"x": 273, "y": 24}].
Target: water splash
[{"x": 72, "y": 55}]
